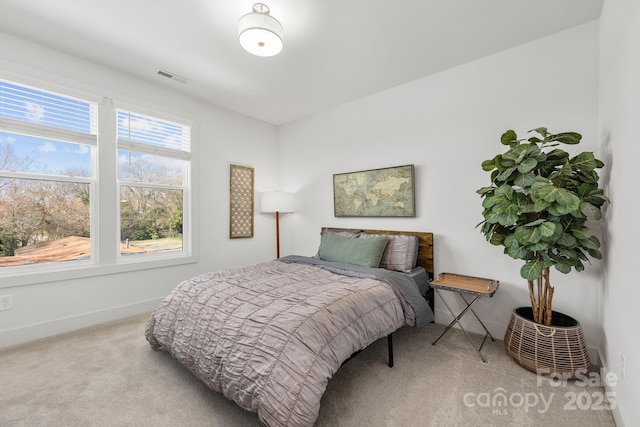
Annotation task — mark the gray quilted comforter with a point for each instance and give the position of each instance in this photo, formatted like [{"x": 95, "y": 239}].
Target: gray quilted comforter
[{"x": 270, "y": 336}]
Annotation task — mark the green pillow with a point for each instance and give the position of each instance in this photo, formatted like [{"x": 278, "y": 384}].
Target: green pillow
[{"x": 365, "y": 252}]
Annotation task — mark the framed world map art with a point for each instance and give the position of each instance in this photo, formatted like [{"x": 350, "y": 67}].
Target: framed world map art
[{"x": 375, "y": 192}]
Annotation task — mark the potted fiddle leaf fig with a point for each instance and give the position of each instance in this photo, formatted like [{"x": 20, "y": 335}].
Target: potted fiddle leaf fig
[{"x": 539, "y": 206}]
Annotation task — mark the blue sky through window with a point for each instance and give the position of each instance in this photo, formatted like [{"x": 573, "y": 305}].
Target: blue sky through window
[
  {"x": 25, "y": 104},
  {"x": 48, "y": 156}
]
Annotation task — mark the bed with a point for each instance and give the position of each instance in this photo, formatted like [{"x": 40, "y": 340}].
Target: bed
[{"x": 271, "y": 335}]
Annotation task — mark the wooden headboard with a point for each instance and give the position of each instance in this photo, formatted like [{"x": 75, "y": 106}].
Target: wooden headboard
[{"x": 425, "y": 245}]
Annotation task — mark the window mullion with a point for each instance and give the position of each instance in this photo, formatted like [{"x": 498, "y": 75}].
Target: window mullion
[{"x": 107, "y": 191}]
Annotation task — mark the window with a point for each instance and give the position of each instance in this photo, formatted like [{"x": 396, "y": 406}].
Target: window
[
  {"x": 47, "y": 175},
  {"x": 153, "y": 170},
  {"x": 52, "y": 193}
]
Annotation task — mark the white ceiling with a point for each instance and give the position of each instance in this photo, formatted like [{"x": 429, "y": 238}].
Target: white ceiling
[{"x": 334, "y": 50}]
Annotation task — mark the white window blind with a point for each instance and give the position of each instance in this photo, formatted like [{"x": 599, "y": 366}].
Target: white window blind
[
  {"x": 35, "y": 112},
  {"x": 151, "y": 135}
]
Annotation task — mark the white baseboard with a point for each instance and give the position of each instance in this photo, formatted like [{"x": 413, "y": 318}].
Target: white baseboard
[{"x": 57, "y": 326}]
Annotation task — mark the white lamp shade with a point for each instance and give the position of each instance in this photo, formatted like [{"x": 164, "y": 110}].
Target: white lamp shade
[
  {"x": 276, "y": 201},
  {"x": 260, "y": 33}
]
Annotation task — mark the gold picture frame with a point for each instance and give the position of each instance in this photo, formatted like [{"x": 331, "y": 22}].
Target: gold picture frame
[
  {"x": 385, "y": 192},
  {"x": 241, "y": 202}
]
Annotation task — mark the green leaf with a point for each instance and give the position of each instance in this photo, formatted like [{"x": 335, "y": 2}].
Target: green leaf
[
  {"x": 547, "y": 260},
  {"x": 507, "y": 161},
  {"x": 584, "y": 161},
  {"x": 491, "y": 216},
  {"x": 557, "y": 234},
  {"x": 541, "y": 130},
  {"x": 521, "y": 199},
  {"x": 559, "y": 259},
  {"x": 527, "y": 208},
  {"x": 540, "y": 205},
  {"x": 527, "y": 165},
  {"x": 590, "y": 212},
  {"x": 567, "y": 240},
  {"x": 566, "y": 171},
  {"x": 580, "y": 234},
  {"x": 527, "y": 235},
  {"x": 531, "y": 270},
  {"x": 488, "y": 165},
  {"x": 561, "y": 210},
  {"x": 567, "y": 199},
  {"x": 563, "y": 268},
  {"x": 524, "y": 180},
  {"x": 586, "y": 189},
  {"x": 557, "y": 156},
  {"x": 539, "y": 247},
  {"x": 553, "y": 210},
  {"x": 509, "y": 137},
  {"x": 523, "y": 234},
  {"x": 535, "y": 235},
  {"x": 517, "y": 253},
  {"x": 591, "y": 243},
  {"x": 512, "y": 209},
  {"x": 547, "y": 229},
  {"x": 569, "y": 253},
  {"x": 504, "y": 190},
  {"x": 595, "y": 253},
  {"x": 570, "y": 138},
  {"x": 492, "y": 201},
  {"x": 507, "y": 219},
  {"x": 545, "y": 192},
  {"x": 485, "y": 190},
  {"x": 496, "y": 239},
  {"x": 581, "y": 256},
  {"x": 505, "y": 174}
]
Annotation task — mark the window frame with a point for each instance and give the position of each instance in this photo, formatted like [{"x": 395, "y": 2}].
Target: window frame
[
  {"x": 105, "y": 190},
  {"x": 185, "y": 187}
]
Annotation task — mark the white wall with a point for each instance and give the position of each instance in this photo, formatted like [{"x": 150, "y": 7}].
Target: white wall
[
  {"x": 619, "y": 113},
  {"x": 221, "y": 137},
  {"x": 446, "y": 125}
]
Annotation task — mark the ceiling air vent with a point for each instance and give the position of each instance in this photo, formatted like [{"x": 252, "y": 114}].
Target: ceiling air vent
[{"x": 172, "y": 76}]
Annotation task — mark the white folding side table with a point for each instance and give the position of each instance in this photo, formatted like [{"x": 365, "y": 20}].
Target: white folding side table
[{"x": 476, "y": 288}]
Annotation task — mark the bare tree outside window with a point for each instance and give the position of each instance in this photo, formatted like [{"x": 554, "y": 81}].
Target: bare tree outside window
[{"x": 152, "y": 167}]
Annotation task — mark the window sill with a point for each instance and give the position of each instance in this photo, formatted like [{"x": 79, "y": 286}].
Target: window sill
[{"x": 85, "y": 270}]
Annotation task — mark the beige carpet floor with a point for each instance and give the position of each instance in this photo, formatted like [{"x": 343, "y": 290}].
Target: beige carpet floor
[{"x": 108, "y": 376}]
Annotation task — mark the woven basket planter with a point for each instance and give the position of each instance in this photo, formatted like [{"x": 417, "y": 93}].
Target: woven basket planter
[{"x": 547, "y": 350}]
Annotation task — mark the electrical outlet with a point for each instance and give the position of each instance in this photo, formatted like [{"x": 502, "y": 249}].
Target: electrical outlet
[
  {"x": 623, "y": 367},
  {"x": 6, "y": 302}
]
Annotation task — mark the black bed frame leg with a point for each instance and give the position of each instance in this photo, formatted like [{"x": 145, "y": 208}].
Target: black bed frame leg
[{"x": 390, "y": 346}]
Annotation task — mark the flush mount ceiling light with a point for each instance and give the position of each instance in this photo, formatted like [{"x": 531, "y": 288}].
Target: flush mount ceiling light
[{"x": 260, "y": 33}]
